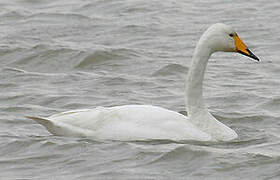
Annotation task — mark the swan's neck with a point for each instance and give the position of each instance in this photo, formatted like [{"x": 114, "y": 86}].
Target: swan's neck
[
  {"x": 197, "y": 112},
  {"x": 194, "y": 96}
]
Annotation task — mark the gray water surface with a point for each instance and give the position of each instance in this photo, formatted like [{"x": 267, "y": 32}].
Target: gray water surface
[{"x": 59, "y": 55}]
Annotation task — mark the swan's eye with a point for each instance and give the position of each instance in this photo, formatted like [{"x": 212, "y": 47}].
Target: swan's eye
[{"x": 231, "y": 35}]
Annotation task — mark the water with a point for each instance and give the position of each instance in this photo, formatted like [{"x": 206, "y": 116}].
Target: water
[{"x": 71, "y": 54}]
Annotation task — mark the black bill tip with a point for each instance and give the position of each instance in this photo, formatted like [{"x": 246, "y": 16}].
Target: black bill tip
[{"x": 250, "y": 54}]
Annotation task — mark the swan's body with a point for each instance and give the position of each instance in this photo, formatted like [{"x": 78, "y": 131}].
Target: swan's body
[
  {"x": 146, "y": 122},
  {"x": 129, "y": 122}
]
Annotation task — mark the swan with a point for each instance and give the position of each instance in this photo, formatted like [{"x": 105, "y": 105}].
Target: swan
[{"x": 147, "y": 122}]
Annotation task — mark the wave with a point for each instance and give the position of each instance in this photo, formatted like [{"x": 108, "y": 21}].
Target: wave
[
  {"x": 103, "y": 56},
  {"x": 171, "y": 70},
  {"x": 57, "y": 16}
]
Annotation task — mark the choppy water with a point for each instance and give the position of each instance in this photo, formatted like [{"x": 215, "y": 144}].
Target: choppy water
[{"x": 69, "y": 54}]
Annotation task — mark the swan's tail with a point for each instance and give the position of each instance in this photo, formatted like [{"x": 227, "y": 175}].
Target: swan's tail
[
  {"x": 50, "y": 126},
  {"x": 45, "y": 122},
  {"x": 59, "y": 128}
]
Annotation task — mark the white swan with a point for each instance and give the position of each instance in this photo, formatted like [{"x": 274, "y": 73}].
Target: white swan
[{"x": 146, "y": 122}]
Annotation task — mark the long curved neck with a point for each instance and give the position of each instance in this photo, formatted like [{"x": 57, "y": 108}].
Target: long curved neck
[{"x": 194, "y": 96}]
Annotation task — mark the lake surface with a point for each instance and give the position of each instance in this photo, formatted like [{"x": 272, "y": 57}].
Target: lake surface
[{"x": 59, "y": 55}]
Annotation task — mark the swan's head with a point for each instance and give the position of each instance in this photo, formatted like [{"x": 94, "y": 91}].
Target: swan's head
[{"x": 221, "y": 37}]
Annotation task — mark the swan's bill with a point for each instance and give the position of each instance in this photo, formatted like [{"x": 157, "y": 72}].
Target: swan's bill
[{"x": 242, "y": 48}]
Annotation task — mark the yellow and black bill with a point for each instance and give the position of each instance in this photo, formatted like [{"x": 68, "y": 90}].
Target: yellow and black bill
[{"x": 243, "y": 49}]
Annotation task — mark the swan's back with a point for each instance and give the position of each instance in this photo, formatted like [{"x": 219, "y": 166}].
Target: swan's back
[{"x": 129, "y": 122}]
